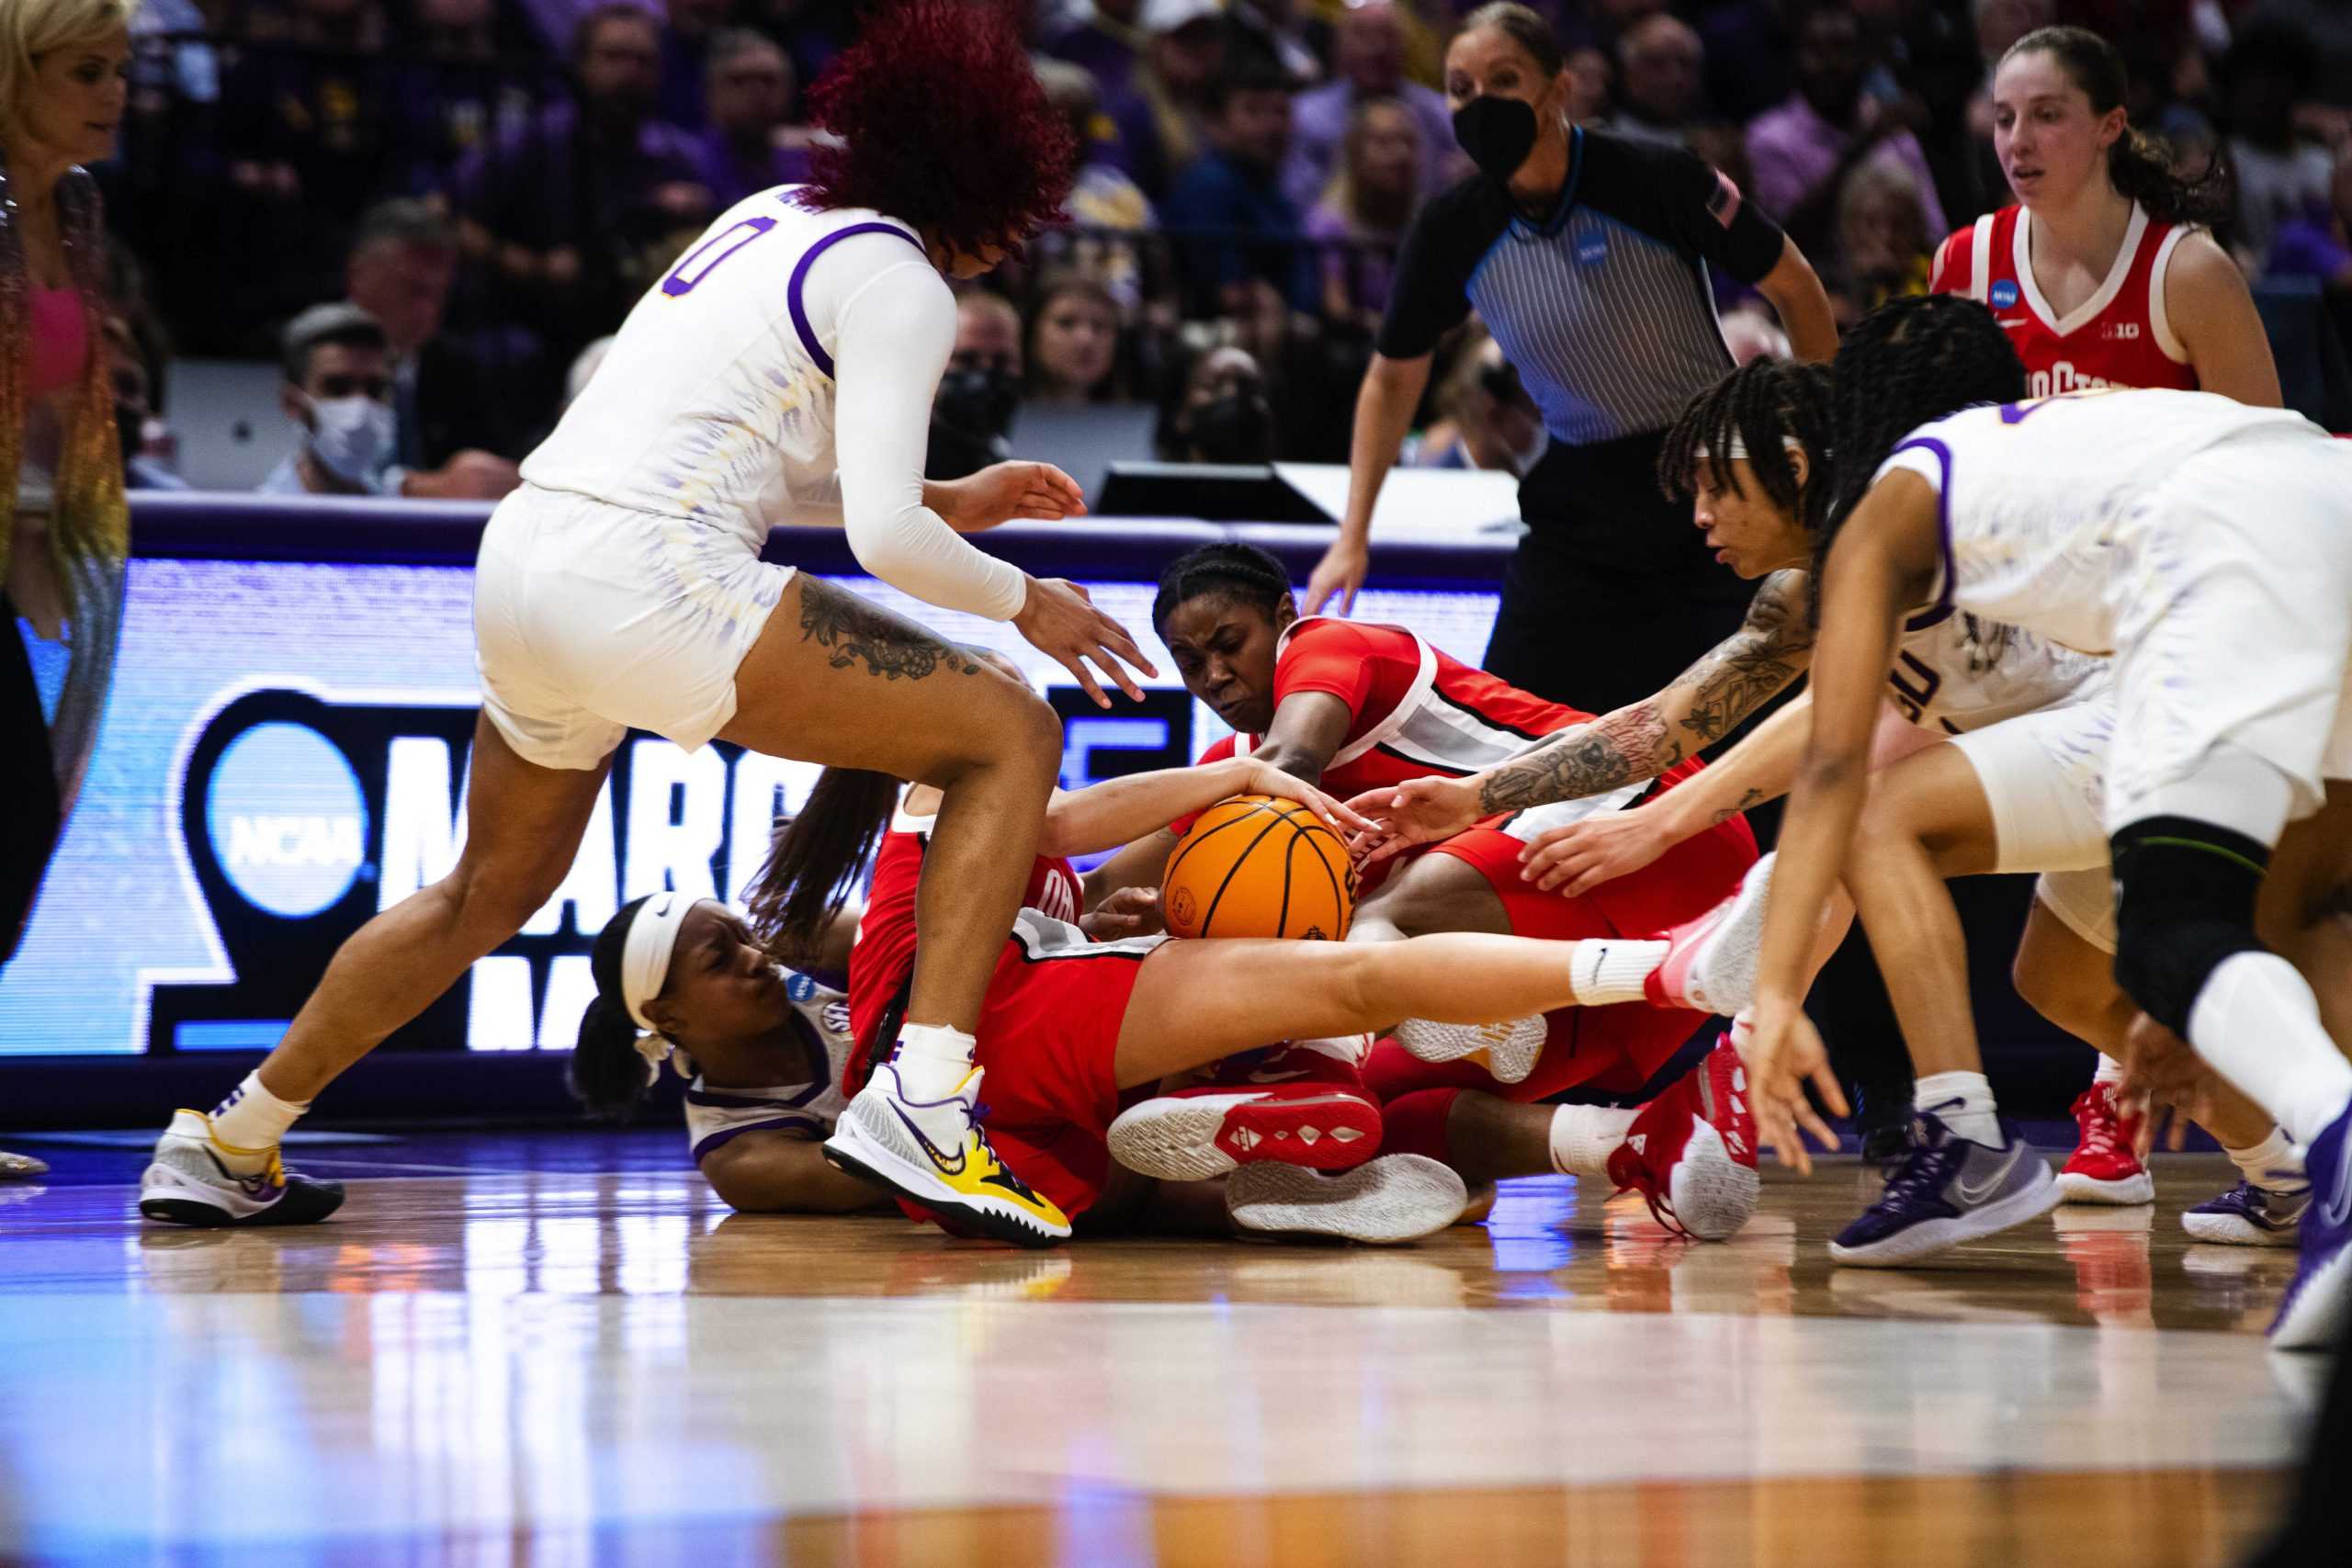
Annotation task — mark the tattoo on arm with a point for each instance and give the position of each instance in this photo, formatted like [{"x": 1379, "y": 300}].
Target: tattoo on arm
[
  {"x": 1753, "y": 665},
  {"x": 1619, "y": 748},
  {"x": 1753, "y": 797},
  {"x": 858, "y": 632}
]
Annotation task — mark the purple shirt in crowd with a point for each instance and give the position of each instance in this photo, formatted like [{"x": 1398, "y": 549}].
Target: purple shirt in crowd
[
  {"x": 1318, "y": 139},
  {"x": 731, "y": 176},
  {"x": 531, "y": 186},
  {"x": 1793, "y": 150},
  {"x": 1365, "y": 267}
]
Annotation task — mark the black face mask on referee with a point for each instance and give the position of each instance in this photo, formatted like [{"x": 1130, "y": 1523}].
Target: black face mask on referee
[{"x": 1498, "y": 133}]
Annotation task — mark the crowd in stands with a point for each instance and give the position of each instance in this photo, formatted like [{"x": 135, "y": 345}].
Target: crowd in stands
[{"x": 429, "y": 210}]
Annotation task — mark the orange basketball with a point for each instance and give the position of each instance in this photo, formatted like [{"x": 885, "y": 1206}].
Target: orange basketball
[{"x": 1254, "y": 865}]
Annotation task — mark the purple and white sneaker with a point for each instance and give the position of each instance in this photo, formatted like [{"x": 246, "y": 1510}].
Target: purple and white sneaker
[
  {"x": 1948, "y": 1191},
  {"x": 2247, "y": 1215},
  {"x": 2318, "y": 1305}
]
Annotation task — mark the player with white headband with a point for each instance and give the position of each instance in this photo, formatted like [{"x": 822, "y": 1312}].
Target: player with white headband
[{"x": 782, "y": 372}]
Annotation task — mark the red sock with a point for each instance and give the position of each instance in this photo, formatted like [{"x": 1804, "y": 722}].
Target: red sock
[{"x": 1416, "y": 1125}]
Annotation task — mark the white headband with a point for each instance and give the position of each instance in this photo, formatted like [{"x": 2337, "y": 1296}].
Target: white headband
[
  {"x": 645, "y": 965},
  {"x": 1735, "y": 448}
]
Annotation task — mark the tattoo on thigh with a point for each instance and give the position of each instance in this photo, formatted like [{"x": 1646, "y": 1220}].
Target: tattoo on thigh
[{"x": 857, "y": 632}]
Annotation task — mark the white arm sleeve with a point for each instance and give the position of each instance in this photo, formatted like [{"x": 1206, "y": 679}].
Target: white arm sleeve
[{"x": 892, "y": 334}]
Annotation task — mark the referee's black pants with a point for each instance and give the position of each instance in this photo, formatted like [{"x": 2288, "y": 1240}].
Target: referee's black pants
[{"x": 1614, "y": 592}]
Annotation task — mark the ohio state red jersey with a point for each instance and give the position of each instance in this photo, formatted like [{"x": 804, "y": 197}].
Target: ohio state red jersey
[
  {"x": 2120, "y": 336},
  {"x": 1416, "y": 713},
  {"x": 884, "y": 957}
]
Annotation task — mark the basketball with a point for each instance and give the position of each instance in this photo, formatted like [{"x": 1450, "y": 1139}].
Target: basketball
[{"x": 1254, "y": 865}]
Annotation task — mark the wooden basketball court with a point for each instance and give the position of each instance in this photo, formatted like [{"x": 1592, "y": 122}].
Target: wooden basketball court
[{"x": 508, "y": 1355}]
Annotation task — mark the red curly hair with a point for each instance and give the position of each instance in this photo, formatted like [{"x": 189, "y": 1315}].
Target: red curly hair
[{"x": 945, "y": 126}]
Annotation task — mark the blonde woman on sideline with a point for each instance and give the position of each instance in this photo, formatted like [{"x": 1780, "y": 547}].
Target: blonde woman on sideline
[{"x": 65, "y": 530}]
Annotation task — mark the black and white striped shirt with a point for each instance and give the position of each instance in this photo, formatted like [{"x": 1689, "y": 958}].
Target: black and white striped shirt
[{"x": 1604, "y": 308}]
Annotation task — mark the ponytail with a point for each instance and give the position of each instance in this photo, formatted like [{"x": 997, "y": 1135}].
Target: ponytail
[
  {"x": 609, "y": 1074},
  {"x": 812, "y": 858},
  {"x": 2139, "y": 167}
]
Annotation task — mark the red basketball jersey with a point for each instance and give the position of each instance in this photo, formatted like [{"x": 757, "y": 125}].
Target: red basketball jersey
[
  {"x": 2120, "y": 336},
  {"x": 1416, "y": 713},
  {"x": 884, "y": 957}
]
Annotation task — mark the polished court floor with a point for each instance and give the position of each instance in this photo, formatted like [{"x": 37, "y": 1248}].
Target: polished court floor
[{"x": 500, "y": 1353}]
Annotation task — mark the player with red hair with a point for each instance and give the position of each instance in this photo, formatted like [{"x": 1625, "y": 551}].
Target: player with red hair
[{"x": 783, "y": 371}]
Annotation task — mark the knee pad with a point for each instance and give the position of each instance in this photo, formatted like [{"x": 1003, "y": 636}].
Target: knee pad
[{"x": 2184, "y": 903}]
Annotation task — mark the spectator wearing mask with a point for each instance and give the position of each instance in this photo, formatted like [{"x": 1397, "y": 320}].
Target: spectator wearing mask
[
  {"x": 1368, "y": 63},
  {"x": 1073, "y": 353},
  {"x": 561, "y": 210},
  {"x": 1234, "y": 190},
  {"x": 64, "y": 528},
  {"x": 745, "y": 150},
  {"x": 1105, "y": 40},
  {"x": 399, "y": 273},
  {"x": 2279, "y": 178},
  {"x": 1224, "y": 416},
  {"x": 1802, "y": 151},
  {"x": 338, "y": 392},
  {"x": 1661, "y": 65},
  {"x": 1162, "y": 114},
  {"x": 980, "y": 396},
  {"x": 1362, "y": 220}
]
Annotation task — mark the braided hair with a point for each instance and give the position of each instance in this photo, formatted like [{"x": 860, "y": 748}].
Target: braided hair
[
  {"x": 1761, "y": 406},
  {"x": 607, "y": 1075},
  {"x": 1908, "y": 363},
  {"x": 1243, "y": 573}
]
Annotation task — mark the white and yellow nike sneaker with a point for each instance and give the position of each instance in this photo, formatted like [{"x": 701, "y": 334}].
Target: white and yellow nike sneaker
[
  {"x": 187, "y": 1183},
  {"x": 934, "y": 1153}
]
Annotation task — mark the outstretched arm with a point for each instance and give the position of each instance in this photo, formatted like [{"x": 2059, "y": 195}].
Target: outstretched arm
[
  {"x": 1119, "y": 811},
  {"x": 776, "y": 1173},
  {"x": 1635, "y": 743}
]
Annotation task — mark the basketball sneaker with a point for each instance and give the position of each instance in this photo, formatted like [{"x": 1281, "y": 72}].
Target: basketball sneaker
[
  {"x": 2318, "y": 1304},
  {"x": 2247, "y": 1215},
  {"x": 1512, "y": 1047},
  {"x": 187, "y": 1184},
  {"x": 1195, "y": 1133},
  {"x": 1392, "y": 1199},
  {"x": 1710, "y": 962},
  {"x": 2105, "y": 1167},
  {"x": 1692, "y": 1152},
  {"x": 1948, "y": 1191},
  {"x": 1333, "y": 1063},
  {"x": 934, "y": 1154}
]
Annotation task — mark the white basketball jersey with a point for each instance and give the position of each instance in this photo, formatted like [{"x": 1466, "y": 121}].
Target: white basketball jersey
[
  {"x": 715, "y": 403},
  {"x": 820, "y": 1023},
  {"x": 1955, "y": 672},
  {"x": 2036, "y": 494}
]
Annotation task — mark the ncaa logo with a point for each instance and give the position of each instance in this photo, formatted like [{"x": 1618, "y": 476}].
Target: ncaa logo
[
  {"x": 1591, "y": 250},
  {"x": 288, "y": 822},
  {"x": 2005, "y": 294}
]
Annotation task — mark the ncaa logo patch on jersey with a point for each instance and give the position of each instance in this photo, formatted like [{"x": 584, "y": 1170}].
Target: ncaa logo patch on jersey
[
  {"x": 2004, "y": 294},
  {"x": 1591, "y": 250},
  {"x": 799, "y": 987}
]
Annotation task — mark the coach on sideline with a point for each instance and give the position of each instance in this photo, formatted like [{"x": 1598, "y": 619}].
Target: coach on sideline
[{"x": 1587, "y": 255}]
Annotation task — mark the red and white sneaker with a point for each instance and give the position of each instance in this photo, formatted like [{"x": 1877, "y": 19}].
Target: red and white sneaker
[
  {"x": 1336, "y": 1064},
  {"x": 1692, "y": 1152},
  {"x": 1199, "y": 1132},
  {"x": 1710, "y": 962},
  {"x": 2105, "y": 1167}
]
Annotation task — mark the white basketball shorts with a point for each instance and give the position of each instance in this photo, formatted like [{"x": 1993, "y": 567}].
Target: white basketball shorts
[{"x": 2044, "y": 775}]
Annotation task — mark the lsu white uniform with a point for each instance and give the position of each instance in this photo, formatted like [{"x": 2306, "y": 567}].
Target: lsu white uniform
[
  {"x": 2206, "y": 545},
  {"x": 621, "y": 584},
  {"x": 2034, "y": 719},
  {"x": 819, "y": 1020}
]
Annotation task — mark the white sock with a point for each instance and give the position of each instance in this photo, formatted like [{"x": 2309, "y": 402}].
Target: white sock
[
  {"x": 1602, "y": 972},
  {"x": 2274, "y": 1164},
  {"x": 1963, "y": 1103},
  {"x": 2109, "y": 1070},
  {"x": 933, "y": 1060},
  {"x": 249, "y": 1123},
  {"x": 1584, "y": 1137},
  {"x": 2258, "y": 1023}
]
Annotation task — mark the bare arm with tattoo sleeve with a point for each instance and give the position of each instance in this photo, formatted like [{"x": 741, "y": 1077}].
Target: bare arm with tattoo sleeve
[{"x": 1637, "y": 741}]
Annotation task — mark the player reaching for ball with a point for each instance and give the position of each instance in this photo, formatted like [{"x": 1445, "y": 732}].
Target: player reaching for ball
[{"x": 783, "y": 370}]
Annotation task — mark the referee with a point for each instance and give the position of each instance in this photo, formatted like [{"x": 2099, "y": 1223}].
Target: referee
[{"x": 1587, "y": 255}]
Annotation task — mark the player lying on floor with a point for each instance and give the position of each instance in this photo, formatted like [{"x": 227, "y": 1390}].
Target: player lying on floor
[
  {"x": 1355, "y": 704},
  {"x": 2204, "y": 542},
  {"x": 1997, "y": 769},
  {"x": 1072, "y": 1030}
]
